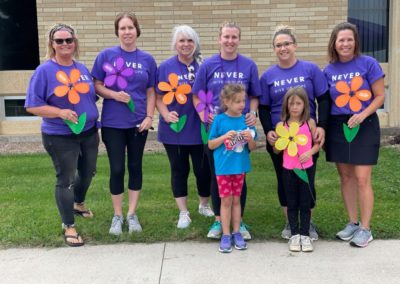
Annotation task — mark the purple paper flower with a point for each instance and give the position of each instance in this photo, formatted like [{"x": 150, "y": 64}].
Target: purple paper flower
[
  {"x": 205, "y": 104},
  {"x": 117, "y": 74}
]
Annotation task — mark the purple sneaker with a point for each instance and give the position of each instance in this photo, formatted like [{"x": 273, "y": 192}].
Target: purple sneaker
[
  {"x": 238, "y": 241},
  {"x": 225, "y": 244}
]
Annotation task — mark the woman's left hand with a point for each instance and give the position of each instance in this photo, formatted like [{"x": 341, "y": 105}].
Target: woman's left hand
[
  {"x": 251, "y": 119},
  {"x": 146, "y": 124},
  {"x": 355, "y": 120},
  {"x": 305, "y": 157}
]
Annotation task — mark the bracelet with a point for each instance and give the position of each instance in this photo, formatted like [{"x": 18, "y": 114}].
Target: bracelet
[{"x": 149, "y": 117}]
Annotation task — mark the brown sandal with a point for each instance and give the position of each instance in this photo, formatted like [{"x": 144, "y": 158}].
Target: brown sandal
[{"x": 73, "y": 244}]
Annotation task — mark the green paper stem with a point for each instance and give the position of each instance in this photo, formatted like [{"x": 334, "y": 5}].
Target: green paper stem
[
  {"x": 204, "y": 133},
  {"x": 131, "y": 105},
  {"x": 179, "y": 125},
  {"x": 77, "y": 128},
  {"x": 350, "y": 133},
  {"x": 302, "y": 174}
]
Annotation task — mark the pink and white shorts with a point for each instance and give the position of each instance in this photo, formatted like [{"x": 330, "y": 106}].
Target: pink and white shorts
[{"x": 230, "y": 185}]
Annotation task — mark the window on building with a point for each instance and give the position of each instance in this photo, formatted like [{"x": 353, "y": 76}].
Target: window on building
[
  {"x": 14, "y": 107},
  {"x": 19, "y": 44},
  {"x": 372, "y": 20}
]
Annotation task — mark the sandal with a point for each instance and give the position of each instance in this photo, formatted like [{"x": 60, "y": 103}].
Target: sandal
[
  {"x": 83, "y": 213},
  {"x": 76, "y": 237},
  {"x": 73, "y": 244}
]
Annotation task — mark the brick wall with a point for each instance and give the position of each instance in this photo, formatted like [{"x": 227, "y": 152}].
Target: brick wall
[{"x": 93, "y": 19}]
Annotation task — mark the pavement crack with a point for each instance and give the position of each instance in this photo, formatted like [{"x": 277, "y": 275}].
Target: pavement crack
[{"x": 162, "y": 263}]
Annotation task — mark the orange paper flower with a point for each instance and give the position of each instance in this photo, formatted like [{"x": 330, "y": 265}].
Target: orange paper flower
[
  {"x": 172, "y": 89},
  {"x": 352, "y": 94},
  {"x": 70, "y": 87}
]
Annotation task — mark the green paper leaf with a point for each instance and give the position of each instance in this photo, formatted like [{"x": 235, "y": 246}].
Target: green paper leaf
[
  {"x": 302, "y": 174},
  {"x": 131, "y": 105},
  {"x": 204, "y": 133},
  {"x": 178, "y": 126},
  {"x": 350, "y": 133},
  {"x": 77, "y": 128}
]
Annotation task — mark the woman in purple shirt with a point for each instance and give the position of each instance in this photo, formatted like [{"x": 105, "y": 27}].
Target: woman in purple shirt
[
  {"x": 226, "y": 67},
  {"x": 61, "y": 91},
  {"x": 185, "y": 142},
  {"x": 356, "y": 86},
  {"x": 125, "y": 78},
  {"x": 288, "y": 73}
]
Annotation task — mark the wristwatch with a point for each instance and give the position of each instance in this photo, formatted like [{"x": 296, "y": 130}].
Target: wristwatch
[{"x": 253, "y": 112}]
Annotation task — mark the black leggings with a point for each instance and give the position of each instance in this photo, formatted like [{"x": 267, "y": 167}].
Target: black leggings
[
  {"x": 299, "y": 200},
  {"x": 178, "y": 156},
  {"x": 277, "y": 161},
  {"x": 216, "y": 200},
  {"x": 117, "y": 141}
]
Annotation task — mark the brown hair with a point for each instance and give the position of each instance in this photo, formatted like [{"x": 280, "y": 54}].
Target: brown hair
[
  {"x": 230, "y": 25},
  {"x": 284, "y": 30},
  {"x": 128, "y": 15},
  {"x": 50, "y": 52},
  {"x": 302, "y": 94},
  {"x": 229, "y": 92},
  {"x": 333, "y": 56}
]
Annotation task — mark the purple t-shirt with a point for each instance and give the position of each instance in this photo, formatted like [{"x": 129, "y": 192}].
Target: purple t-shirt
[
  {"x": 366, "y": 67},
  {"x": 276, "y": 81},
  {"x": 117, "y": 114},
  {"x": 215, "y": 72},
  {"x": 41, "y": 93},
  {"x": 190, "y": 134}
]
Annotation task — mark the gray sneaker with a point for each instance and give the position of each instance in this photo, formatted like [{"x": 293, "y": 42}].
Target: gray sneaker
[
  {"x": 348, "y": 232},
  {"x": 361, "y": 238},
  {"x": 313, "y": 232},
  {"x": 116, "y": 225},
  {"x": 286, "y": 232},
  {"x": 133, "y": 223}
]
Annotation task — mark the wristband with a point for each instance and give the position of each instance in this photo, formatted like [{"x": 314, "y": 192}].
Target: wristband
[
  {"x": 149, "y": 117},
  {"x": 253, "y": 112}
]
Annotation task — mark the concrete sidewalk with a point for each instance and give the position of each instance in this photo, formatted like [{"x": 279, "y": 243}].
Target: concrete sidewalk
[{"x": 196, "y": 262}]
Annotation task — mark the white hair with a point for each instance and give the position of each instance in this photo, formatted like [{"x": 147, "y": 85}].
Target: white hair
[{"x": 189, "y": 32}]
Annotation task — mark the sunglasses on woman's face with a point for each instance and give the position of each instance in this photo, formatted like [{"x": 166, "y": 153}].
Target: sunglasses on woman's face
[
  {"x": 60, "y": 41},
  {"x": 191, "y": 74}
]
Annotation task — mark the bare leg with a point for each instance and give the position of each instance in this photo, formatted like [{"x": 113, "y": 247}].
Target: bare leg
[
  {"x": 117, "y": 203},
  {"x": 236, "y": 213},
  {"x": 348, "y": 183},
  {"x": 226, "y": 209},
  {"x": 365, "y": 194},
  {"x": 133, "y": 201},
  {"x": 181, "y": 202}
]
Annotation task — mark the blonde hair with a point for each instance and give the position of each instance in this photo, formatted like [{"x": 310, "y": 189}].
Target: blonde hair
[
  {"x": 229, "y": 92},
  {"x": 50, "y": 52},
  {"x": 230, "y": 25},
  {"x": 301, "y": 93},
  {"x": 284, "y": 30}
]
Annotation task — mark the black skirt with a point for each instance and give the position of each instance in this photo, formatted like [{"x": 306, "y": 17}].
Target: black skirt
[{"x": 363, "y": 150}]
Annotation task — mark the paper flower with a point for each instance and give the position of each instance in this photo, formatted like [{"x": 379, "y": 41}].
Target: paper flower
[
  {"x": 205, "y": 104},
  {"x": 352, "y": 94},
  {"x": 117, "y": 74},
  {"x": 289, "y": 138},
  {"x": 180, "y": 92},
  {"x": 70, "y": 86}
]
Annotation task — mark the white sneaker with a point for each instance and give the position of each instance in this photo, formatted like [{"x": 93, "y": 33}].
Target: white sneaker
[
  {"x": 184, "y": 220},
  {"x": 116, "y": 225},
  {"x": 294, "y": 243},
  {"x": 306, "y": 244},
  {"x": 133, "y": 223},
  {"x": 206, "y": 210}
]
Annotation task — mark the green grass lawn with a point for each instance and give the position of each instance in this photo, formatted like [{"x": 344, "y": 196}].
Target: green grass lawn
[{"x": 29, "y": 216}]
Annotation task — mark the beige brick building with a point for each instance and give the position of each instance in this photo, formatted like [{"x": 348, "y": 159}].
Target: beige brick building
[{"x": 93, "y": 20}]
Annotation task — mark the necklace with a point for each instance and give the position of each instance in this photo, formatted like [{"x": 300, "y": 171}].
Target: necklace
[{"x": 190, "y": 68}]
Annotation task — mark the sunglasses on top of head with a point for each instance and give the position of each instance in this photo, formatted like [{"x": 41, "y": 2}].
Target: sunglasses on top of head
[{"x": 60, "y": 41}]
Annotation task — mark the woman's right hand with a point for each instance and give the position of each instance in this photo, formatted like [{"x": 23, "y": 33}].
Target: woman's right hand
[
  {"x": 68, "y": 114},
  {"x": 272, "y": 137},
  {"x": 171, "y": 117},
  {"x": 122, "y": 97}
]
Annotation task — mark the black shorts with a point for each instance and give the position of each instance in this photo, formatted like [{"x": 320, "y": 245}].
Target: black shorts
[{"x": 363, "y": 150}]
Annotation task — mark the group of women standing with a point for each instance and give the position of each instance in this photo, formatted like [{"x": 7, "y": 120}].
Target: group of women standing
[{"x": 186, "y": 92}]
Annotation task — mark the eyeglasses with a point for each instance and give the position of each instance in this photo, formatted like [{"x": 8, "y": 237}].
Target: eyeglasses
[
  {"x": 60, "y": 41},
  {"x": 191, "y": 75},
  {"x": 283, "y": 44}
]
